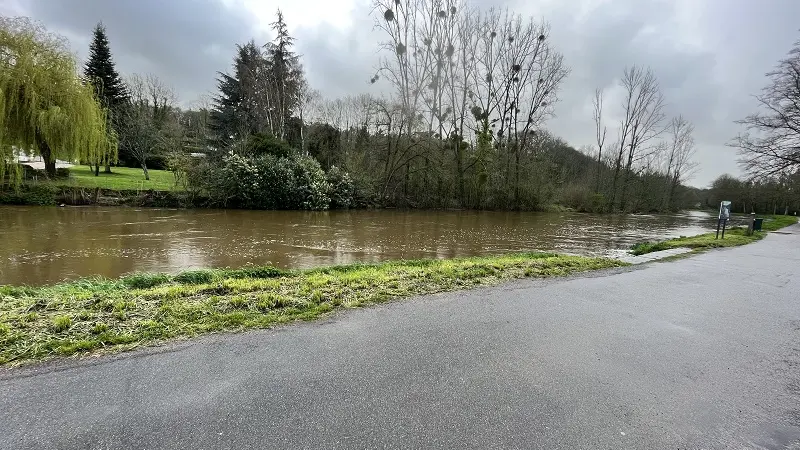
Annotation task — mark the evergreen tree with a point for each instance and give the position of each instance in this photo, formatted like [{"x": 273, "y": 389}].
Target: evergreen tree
[
  {"x": 261, "y": 94},
  {"x": 285, "y": 75},
  {"x": 101, "y": 72},
  {"x": 240, "y": 107}
]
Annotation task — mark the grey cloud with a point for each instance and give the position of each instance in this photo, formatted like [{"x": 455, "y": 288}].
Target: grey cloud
[
  {"x": 338, "y": 62},
  {"x": 184, "y": 42}
]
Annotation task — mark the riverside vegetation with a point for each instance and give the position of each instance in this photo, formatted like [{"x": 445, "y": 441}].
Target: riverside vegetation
[
  {"x": 461, "y": 122},
  {"x": 102, "y": 314},
  {"x": 733, "y": 237}
]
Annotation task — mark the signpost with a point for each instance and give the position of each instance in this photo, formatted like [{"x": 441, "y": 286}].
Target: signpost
[{"x": 724, "y": 215}]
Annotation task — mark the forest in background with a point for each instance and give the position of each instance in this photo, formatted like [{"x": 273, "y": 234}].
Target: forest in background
[{"x": 462, "y": 124}]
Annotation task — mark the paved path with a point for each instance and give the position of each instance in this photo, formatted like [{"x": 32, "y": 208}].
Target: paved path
[
  {"x": 654, "y": 256},
  {"x": 698, "y": 353}
]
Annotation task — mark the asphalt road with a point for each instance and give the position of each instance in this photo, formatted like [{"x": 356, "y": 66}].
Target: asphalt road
[{"x": 698, "y": 353}]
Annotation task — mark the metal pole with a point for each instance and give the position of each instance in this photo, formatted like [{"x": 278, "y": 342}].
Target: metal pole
[
  {"x": 724, "y": 223},
  {"x": 719, "y": 222}
]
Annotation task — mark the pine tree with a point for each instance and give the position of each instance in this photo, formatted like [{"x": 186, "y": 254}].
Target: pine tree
[
  {"x": 240, "y": 108},
  {"x": 101, "y": 72},
  {"x": 261, "y": 94},
  {"x": 285, "y": 74}
]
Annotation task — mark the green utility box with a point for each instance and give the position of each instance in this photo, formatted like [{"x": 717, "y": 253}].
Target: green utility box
[{"x": 757, "y": 223}]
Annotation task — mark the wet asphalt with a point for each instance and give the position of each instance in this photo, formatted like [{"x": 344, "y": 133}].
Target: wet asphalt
[{"x": 702, "y": 352}]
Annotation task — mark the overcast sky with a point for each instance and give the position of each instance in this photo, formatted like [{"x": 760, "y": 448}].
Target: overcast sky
[{"x": 710, "y": 56}]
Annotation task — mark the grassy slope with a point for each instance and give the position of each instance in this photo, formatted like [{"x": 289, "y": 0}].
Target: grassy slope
[
  {"x": 121, "y": 178},
  {"x": 84, "y": 315},
  {"x": 733, "y": 237}
]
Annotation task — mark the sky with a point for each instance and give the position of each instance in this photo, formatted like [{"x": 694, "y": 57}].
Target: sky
[{"x": 710, "y": 56}]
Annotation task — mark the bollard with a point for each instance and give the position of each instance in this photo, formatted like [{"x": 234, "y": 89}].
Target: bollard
[{"x": 751, "y": 224}]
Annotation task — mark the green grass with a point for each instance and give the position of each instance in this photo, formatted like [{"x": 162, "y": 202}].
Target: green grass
[
  {"x": 121, "y": 178},
  {"x": 101, "y": 314},
  {"x": 733, "y": 237}
]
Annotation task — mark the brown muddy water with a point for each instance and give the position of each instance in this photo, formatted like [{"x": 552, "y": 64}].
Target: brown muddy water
[{"x": 41, "y": 245}]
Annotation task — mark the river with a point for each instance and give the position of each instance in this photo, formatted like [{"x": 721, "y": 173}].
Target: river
[{"x": 49, "y": 244}]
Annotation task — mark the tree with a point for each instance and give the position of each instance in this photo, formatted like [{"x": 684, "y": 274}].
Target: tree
[
  {"x": 45, "y": 110},
  {"x": 477, "y": 86},
  {"x": 679, "y": 159},
  {"x": 241, "y": 106},
  {"x": 101, "y": 72},
  {"x": 600, "y": 131},
  {"x": 771, "y": 146},
  {"x": 144, "y": 124},
  {"x": 643, "y": 108},
  {"x": 285, "y": 78}
]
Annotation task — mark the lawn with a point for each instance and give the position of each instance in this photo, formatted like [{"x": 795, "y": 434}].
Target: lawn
[
  {"x": 121, "y": 178},
  {"x": 733, "y": 237},
  {"x": 101, "y": 314}
]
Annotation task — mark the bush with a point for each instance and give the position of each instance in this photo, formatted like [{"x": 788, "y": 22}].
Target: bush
[
  {"x": 342, "y": 189},
  {"x": 264, "y": 144},
  {"x": 311, "y": 186},
  {"x": 263, "y": 182},
  {"x": 582, "y": 199},
  {"x": 35, "y": 194}
]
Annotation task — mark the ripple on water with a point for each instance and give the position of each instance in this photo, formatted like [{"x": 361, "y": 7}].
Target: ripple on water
[{"x": 114, "y": 241}]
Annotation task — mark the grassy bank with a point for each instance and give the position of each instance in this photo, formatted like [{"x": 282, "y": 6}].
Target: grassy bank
[
  {"x": 124, "y": 186},
  {"x": 121, "y": 179},
  {"x": 733, "y": 237},
  {"x": 89, "y": 315}
]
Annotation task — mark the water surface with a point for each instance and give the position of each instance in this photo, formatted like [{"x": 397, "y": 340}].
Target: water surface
[{"x": 49, "y": 244}]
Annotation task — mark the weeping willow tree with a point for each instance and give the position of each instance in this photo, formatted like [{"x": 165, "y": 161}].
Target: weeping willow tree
[{"x": 45, "y": 109}]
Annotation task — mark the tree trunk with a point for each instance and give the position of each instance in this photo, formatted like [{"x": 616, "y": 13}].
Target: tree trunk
[
  {"x": 97, "y": 169},
  {"x": 303, "y": 137},
  {"x": 460, "y": 172},
  {"x": 146, "y": 174},
  {"x": 49, "y": 160},
  {"x": 599, "y": 167},
  {"x": 516, "y": 176},
  {"x": 108, "y": 168}
]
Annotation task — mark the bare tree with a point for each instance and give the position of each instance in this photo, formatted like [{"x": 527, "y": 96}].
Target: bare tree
[
  {"x": 773, "y": 148},
  {"x": 305, "y": 98},
  {"x": 516, "y": 80},
  {"x": 679, "y": 156},
  {"x": 461, "y": 74},
  {"x": 600, "y": 131},
  {"x": 145, "y": 130},
  {"x": 162, "y": 97},
  {"x": 644, "y": 112}
]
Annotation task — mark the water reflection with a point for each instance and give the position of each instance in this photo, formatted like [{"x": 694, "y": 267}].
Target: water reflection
[{"x": 45, "y": 245}]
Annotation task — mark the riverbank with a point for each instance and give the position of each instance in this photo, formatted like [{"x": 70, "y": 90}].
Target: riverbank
[
  {"x": 733, "y": 237},
  {"x": 123, "y": 187},
  {"x": 46, "y": 194},
  {"x": 113, "y": 315}
]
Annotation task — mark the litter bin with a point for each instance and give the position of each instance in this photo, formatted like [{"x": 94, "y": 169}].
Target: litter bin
[{"x": 757, "y": 222}]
